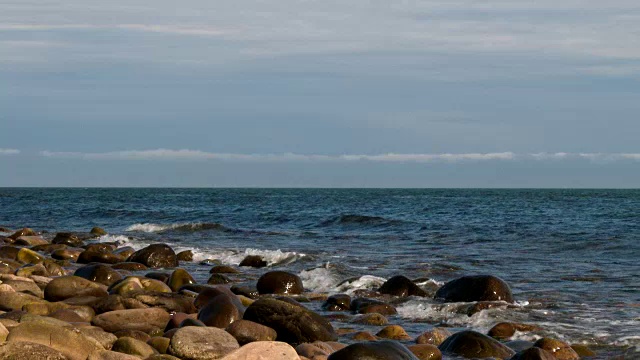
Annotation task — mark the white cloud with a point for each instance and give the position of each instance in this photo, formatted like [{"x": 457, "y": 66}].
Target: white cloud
[
  {"x": 186, "y": 154},
  {"x": 156, "y": 28},
  {"x": 9, "y": 151}
]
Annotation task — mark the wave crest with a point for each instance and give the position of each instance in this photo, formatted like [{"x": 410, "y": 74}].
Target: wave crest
[{"x": 154, "y": 228}]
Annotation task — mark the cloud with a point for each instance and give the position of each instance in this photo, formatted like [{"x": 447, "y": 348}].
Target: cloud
[
  {"x": 9, "y": 152},
  {"x": 186, "y": 154},
  {"x": 155, "y": 28}
]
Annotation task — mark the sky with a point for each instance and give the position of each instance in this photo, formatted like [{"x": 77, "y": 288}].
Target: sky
[{"x": 320, "y": 93}]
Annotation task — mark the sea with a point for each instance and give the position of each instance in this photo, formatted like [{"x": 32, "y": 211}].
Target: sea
[{"x": 571, "y": 257}]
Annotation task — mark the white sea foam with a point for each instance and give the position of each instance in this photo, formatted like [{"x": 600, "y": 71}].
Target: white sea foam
[
  {"x": 149, "y": 227},
  {"x": 272, "y": 257},
  {"x": 320, "y": 279},
  {"x": 363, "y": 282}
]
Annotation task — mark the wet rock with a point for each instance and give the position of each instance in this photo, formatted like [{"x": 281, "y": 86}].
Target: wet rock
[
  {"x": 131, "y": 346},
  {"x": 22, "y": 232},
  {"x": 30, "y": 241},
  {"x": 65, "y": 287},
  {"x": 425, "y": 351},
  {"x": 186, "y": 255},
  {"x": 9, "y": 252},
  {"x": 99, "y": 273},
  {"x": 223, "y": 269},
  {"x": 191, "y": 322},
  {"x": 475, "y": 288},
  {"x": 156, "y": 256},
  {"x": 160, "y": 343},
  {"x": 210, "y": 292},
  {"x": 134, "y": 284},
  {"x": 111, "y": 355},
  {"x": 24, "y": 350},
  {"x": 435, "y": 336},
  {"x": 54, "y": 268},
  {"x": 135, "y": 334},
  {"x": 158, "y": 275},
  {"x": 293, "y": 324},
  {"x": 533, "y": 353},
  {"x": 104, "y": 338},
  {"x": 67, "y": 315},
  {"x": 130, "y": 266},
  {"x": 560, "y": 349},
  {"x": 56, "y": 337},
  {"x": 16, "y": 300},
  {"x": 401, "y": 286},
  {"x": 27, "y": 256},
  {"x": 219, "y": 312},
  {"x": 255, "y": 261},
  {"x": 272, "y": 350},
  {"x": 280, "y": 282},
  {"x": 582, "y": 350},
  {"x": 69, "y": 239},
  {"x": 218, "y": 279},
  {"x": 124, "y": 251},
  {"x": 171, "y": 302},
  {"x": 97, "y": 231},
  {"x": 246, "y": 331},
  {"x": 89, "y": 256},
  {"x": 472, "y": 344},
  {"x": 337, "y": 302},
  {"x": 144, "y": 320},
  {"x": 179, "y": 278},
  {"x": 374, "y": 350},
  {"x": 201, "y": 343},
  {"x": 370, "y": 319},
  {"x": 66, "y": 254},
  {"x": 505, "y": 330},
  {"x": 363, "y": 336},
  {"x": 366, "y": 306},
  {"x": 393, "y": 332}
]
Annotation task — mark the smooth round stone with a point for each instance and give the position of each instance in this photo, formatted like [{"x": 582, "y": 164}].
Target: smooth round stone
[
  {"x": 160, "y": 343},
  {"x": 65, "y": 287},
  {"x": 218, "y": 279},
  {"x": 435, "y": 336},
  {"x": 201, "y": 343},
  {"x": 98, "y": 231},
  {"x": 337, "y": 302},
  {"x": 99, "y": 273},
  {"x": 219, "y": 312},
  {"x": 186, "y": 255},
  {"x": 144, "y": 320},
  {"x": 180, "y": 277},
  {"x": 533, "y": 353},
  {"x": 367, "y": 306},
  {"x": 223, "y": 269},
  {"x": 280, "y": 282},
  {"x": 130, "y": 266},
  {"x": 401, "y": 286},
  {"x": 374, "y": 350},
  {"x": 131, "y": 346},
  {"x": 560, "y": 349},
  {"x": 246, "y": 331},
  {"x": 156, "y": 256},
  {"x": 475, "y": 288},
  {"x": 255, "y": 261},
  {"x": 472, "y": 344},
  {"x": 27, "y": 256},
  {"x": 25, "y": 350},
  {"x": 394, "y": 332},
  {"x": 272, "y": 350}
]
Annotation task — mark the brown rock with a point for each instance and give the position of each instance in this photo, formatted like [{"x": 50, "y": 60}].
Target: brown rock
[
  {"x": 219, "y": 312},
  {"x": 272, "y": 350},
  {"x": 201, "y": 343},
  {"x": 255, "y": 261},
  {"x": 246, "y": 331},
  {"x": 156, "y": 256},
  {"x": 394, "y": 332},
  {"x": 560, "y": 349},
  {"x": 131, "y": 346},
  {"x": 475, "y": 288},
  {"x": 426, "y": 351},
  {"x": 435, "y": 336},
  {"x": 65, "y": 287},
  {"x": 23, "y": 350},
  {"x": 472, "y": 344},
  {"x": 135, "y": 319}
]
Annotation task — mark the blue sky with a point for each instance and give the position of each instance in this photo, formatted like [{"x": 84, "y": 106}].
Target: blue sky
[{"x": 320, "y": 93}]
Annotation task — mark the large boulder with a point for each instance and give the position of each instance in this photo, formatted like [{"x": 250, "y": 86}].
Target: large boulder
[
  {"x": 475, "y": 288},
  {"x": 401, "y": 286},
  {"x": 272, "y": 350},
  {"x": 67, "y": 238},
  {"x": 294, "y": 324},
  {"x": 156, "y": 256},
  {"x": 23, "y": 350},
  {"x": 255, "y": 261},
  {"x": 68, "y": 341},
  {"x": 337, "y": 302},
  {"x": 201, "y": 343},
  {"x": 65, "y": 287},
  {"x": 374, "y": 350},
  {"x": 280, "y": 282},
  {"x": 472, "y": 344},
  {"x": 99, "y": 273},
  {"x": 132, "y": 319}
]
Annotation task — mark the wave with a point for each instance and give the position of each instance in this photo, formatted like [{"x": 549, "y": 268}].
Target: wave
[
  {"x": 356, "y": 219},
  {"x": 272, "y": 257},
  {"x": 198, "y": 226}
]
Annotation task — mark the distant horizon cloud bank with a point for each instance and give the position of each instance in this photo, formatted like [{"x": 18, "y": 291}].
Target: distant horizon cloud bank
[
  {"x": 9, "y": 151},
  {"x": 188, "y": 154}
]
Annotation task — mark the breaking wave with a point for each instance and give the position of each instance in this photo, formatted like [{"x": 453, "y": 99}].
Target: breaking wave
[{"x": 155, "y": 228}]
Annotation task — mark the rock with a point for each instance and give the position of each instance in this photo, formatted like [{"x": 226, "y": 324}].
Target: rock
[
  {"x": 53, "y": 268},
  {"x": 337, "y": 302},
  {"x": 401, "y": 286},
  {"x": 559, "y": 349},
  {"x": 99, "y": 273},
  {"x": 533, "y": 353},
  {"x": 374, "y": 350},
  {"x": 9, "y": 252},
  {"x": 425, "y": 351},
  {"x": 191, "y": 322},
  {"x": 98, "y": 231},
  {"x": 65, "y": 287},
  {"x": 218, "y": 279},
  {"x": 245, "y": 291},
  {"x": 370, "y": 319},
  {"x": 280, "y": 282},
  {"x": 23, "y": 350},
  {"x": 3, "y": 333},
  {"x": 90, "y": 256},
  {"x": 171, "y": 302},
  {"x": 246, "y": 331},
  {"x": 162, "y": 357},
  {"x": 314, "y": 350},
  {"x": 124, "y": 251},
  {"x": 144, "y": 320},
  {"x": 27, "y": 256},
  {"x": 68, "y": 315},
  {"x": 66, "y": 254},
  {"x": 505, "y": 330},
  {"x": 156, "y": 256},
  {"x": 583, "y": 350},
  {"x": 363, "y": 336},
  {"x": 201, "y": 343},
  {"x": 130, "y": 266},
  {"x": 223, "y": 269},
  {"x": 475, "y": 288},
  {"x": 102, "y": 337},
  {"x": 69, "y": 239},
  {"x": 366, "y": 306},
  {"x": 15, "y": 300},
  {"x": 30, "y": 241},
  {"x": 134, "y": 334},
  {"x": 435, "y": 336},
  {"x": 293, "y": 324},
  {"x": 56, "y": 337},
  {"x": 160, "y": 343},
  {"x": 179, "y": 278},
  {"x": 208, "y": 292},
  {"x": 186, "y": 255},
  {"x": 28, "y": 270},
  {"x": 131, "y": 346},
  {"x": 394, "y": 332},
  {"x": 255, "y": 261},
  {"x": 472, "y": 344},
  {"x": 272, "y": 350},
  {"x": 219, "y": 312},
  {"x": 132, "y": 284},
  {"x": 111, "y": 355},
  {"x": 23, "y": 232}
]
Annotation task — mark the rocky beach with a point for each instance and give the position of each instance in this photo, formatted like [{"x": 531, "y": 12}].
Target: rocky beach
[{"x": 65, "y": 296}]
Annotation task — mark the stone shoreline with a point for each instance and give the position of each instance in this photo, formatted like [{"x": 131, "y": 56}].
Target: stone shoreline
[{"x": 64, "y": 297}]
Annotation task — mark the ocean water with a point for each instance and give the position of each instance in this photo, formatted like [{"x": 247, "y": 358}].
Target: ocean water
[{"x": 572, "y": 257}]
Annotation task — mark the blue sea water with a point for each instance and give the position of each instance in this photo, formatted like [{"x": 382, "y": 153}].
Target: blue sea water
[{"x": 572, "y": 257}]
